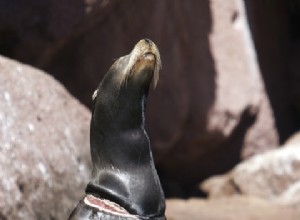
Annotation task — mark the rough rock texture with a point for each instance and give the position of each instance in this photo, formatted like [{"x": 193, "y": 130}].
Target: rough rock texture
[
  {"x": 44, "y": 145},
  {"x": 238, "y": 122},
  {"x": 210, "y": 107},
  {"x": 293, "y": 140},
  {"x": 291, "y": 196},
  {"x": 230, "y": 35},
  {"x": 274, "y": 175},
  {"x": 234, "y": 208}
]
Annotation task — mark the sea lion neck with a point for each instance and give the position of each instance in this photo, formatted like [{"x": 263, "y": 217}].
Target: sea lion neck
[{"x": 116, "y": 105}]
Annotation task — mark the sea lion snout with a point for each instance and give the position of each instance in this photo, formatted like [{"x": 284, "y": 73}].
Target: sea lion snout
[
  {"x": 145, "y": 54},
  {"x": 148, "y": 40}
]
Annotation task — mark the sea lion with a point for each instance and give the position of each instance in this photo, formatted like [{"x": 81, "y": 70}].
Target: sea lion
[{"x": 124, "y": 183}]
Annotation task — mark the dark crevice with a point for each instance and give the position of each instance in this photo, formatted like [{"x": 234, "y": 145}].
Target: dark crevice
[{"x": 275, "y": 26}]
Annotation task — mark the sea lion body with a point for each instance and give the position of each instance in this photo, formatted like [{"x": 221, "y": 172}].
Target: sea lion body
[{"x": 123, "y": 167}]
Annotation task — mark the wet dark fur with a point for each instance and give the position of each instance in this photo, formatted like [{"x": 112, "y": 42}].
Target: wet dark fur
[{"x": 123, "y": 167}]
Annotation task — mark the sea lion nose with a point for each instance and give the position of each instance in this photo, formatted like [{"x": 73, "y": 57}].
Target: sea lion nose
[{"x": 148, "y": 41}]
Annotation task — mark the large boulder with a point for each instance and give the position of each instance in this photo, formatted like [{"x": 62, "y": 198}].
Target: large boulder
[
  {"x": 44, "y": 144},
  {"x": 274, "y": 176}
]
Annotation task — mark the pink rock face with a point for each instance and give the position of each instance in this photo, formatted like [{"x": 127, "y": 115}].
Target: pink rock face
[
  {"x": 44, "y": 136},
  {"x": 270, "y": 174},
  {"x": 222, "y": 112}
]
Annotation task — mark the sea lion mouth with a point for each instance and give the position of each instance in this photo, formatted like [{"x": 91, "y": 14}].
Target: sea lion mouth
[
  {"x": 107, "y": 206},
  {"x": 145, "y": 55},
  {"x": 149, "y": 56}
]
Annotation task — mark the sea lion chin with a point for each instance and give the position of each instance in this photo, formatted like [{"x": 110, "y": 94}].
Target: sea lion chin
[{"x": 124, "y": 183}]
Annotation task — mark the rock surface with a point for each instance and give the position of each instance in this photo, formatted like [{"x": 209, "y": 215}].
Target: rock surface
[
  {"x": 44, "y": 144},
  {"x": 234, "y": 208},
  {"x": 293, "y": 140},
  {"x": 274, "y": 175},
  {"x": 224, "y": 115}
]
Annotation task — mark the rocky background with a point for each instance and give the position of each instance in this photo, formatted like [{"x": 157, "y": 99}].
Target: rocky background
[{"x": 220, "y": 120}]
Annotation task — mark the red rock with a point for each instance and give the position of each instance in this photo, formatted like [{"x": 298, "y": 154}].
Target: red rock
[
  {"x": 44, "y": 136},
  {"x": 227, "y": 116},
  {"x": 274, "y": 175}
]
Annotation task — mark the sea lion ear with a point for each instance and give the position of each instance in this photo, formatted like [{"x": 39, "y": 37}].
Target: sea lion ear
[{"x": 94, "y": 96}]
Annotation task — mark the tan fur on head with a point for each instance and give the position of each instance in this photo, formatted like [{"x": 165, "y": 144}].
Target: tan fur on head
[{"x": 141, "y": 49}]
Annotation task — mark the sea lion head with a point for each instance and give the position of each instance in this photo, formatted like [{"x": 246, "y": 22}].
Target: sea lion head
[
  {"x": 143, "y": 63},
  {"x": 138, "y": 69}
]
